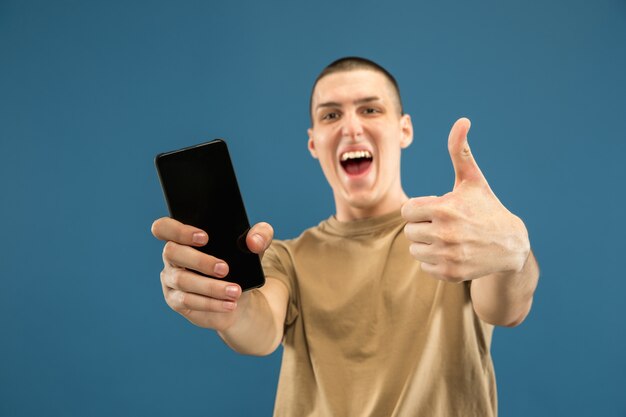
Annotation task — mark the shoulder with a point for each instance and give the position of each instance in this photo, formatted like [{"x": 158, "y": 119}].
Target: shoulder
[
  {"x": 308, "y": 236},
  {"x": 282, "y": 251}
]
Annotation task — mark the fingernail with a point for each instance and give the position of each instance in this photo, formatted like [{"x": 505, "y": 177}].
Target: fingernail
[
  {"x": 220, "y": 269},
  {"x": 258, "y": 239},
  {"x": 200, "y": 238},
  {"x": 230, "y": 305},
  {"x": 232, "y": 291}
]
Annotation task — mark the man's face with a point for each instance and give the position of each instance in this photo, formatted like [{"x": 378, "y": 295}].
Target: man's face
[{"x": 357, "y": 135}]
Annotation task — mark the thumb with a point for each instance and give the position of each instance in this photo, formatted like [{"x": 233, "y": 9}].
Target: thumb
[
  {"x": 465, "y": 167},
  {"x": 259, "y": 237}
]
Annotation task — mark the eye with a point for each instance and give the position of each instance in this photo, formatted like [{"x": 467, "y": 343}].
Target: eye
[
  {"x": 370, "y": 110},
  {"x": 330, "y": 116}
]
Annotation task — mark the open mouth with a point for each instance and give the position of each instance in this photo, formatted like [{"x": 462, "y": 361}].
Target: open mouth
[{"x": 356, "y": 162}]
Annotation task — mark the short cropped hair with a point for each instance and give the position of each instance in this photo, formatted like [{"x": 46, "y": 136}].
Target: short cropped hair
[{"x": 352, "y": 63}]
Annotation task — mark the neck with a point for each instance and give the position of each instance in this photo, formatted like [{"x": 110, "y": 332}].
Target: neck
[{"x": 346, "y": 213}]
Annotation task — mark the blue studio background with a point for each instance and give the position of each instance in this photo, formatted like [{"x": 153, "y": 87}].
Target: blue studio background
[{"x": 90, "y": 92}]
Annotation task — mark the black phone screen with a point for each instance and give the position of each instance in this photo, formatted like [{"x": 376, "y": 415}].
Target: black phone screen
[{"x": 201, "y": 190}]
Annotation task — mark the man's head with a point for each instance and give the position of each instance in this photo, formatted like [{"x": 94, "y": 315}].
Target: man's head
[
  {"x": 352, "y": 63},
  {"x": 357, "y": 132}
]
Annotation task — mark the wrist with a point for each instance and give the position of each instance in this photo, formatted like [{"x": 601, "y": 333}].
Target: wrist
[
  {"x": 237, "y": 316},
  {"x": 518, "y": 247}
]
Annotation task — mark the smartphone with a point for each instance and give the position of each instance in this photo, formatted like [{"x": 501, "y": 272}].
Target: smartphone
[{"x": 200, "y": 189}]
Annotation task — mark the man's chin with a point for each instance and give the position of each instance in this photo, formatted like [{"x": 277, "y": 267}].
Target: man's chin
[{"x": 361, "y": 200}]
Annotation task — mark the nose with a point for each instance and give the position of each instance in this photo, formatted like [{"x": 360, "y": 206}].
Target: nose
[{"x": 351, "y": 126}]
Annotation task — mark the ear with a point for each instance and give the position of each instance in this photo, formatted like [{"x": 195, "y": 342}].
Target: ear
[
  {"x": 406, "y": 127},
  {"x": 311, "y": 143}
]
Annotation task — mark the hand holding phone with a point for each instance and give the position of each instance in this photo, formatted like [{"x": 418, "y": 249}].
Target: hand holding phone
[
  {"x": 206, "y": 302},
  {"x": 201, "y": 190}
]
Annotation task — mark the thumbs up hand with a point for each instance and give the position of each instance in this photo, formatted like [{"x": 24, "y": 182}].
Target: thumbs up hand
[{"x": 466, "y": 233}]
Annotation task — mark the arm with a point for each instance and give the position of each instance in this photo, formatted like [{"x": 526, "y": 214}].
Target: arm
[
  {"x": 468, "y": 235},
  {"x": 504, "y": 299},
  {"x": 258, "y": 326},
  {"x": 250, "y": 322}
]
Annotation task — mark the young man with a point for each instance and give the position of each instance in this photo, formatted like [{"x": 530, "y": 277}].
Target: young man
[{"x": 387, "y": 308}]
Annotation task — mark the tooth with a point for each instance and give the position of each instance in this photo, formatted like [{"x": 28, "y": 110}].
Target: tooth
[{"x": 355, "y": 154}]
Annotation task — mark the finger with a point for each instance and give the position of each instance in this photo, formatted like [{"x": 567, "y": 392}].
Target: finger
[
  {"x": 259, "y": 237},
  {"x": 444, "y": 272},
  {"x": 431, "y": 269},
  {"x": 465, "y": 167},
  {"x": 421, "y": 232},
  {"x": 181, "y": 301},
  {"x": 218, "y": 321},
  {"x": 169, "y": 229},
  {"x": 188, "y": 281},
  {"x": 419, "y": 209},
  {"x": 188, "y": 257},
  {"x": 423, "y": 253},
  {"x": 165, "y": 288}
]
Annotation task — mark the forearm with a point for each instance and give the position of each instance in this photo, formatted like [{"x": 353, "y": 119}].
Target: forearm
[
  {"x": 256, "y": 330},
  {"x": 504, "y": 299}
]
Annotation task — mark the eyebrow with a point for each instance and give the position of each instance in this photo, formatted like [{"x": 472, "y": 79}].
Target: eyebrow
[{"x": 356, "y": 102}]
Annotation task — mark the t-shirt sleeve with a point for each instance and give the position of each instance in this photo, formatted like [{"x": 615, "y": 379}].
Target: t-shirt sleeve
[{"x": 278, "y": 264}]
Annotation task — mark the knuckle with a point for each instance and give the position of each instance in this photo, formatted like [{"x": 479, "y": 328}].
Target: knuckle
[
  {"x": 440, "y": 235},
  {"x": 442, "y": 212},
  {"x": 169, "y": 249},
  {"x": 174, "y": 278},
  {"x": 182, "y": 235},
  {"x": 450, "y": 257},
  {"x": 407, "y": 210},
  {"x": 210, "y": 288},
  {"x": 182, "y": 299},
  {"x": 404, "y": 209},
  {"x": 449, "y": 236},
  {"x": 414, "y": 250},
  {"x": 203, "y": 263},
  {"x": 209, "y": 305},
  {"x": 447, "y": 257},
  {"x": 407, "y": 230},
  {"x": 170, "y": 299}
]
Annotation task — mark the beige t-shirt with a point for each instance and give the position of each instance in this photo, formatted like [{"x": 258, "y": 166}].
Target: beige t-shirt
[{"x": 368, "y": 333}]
